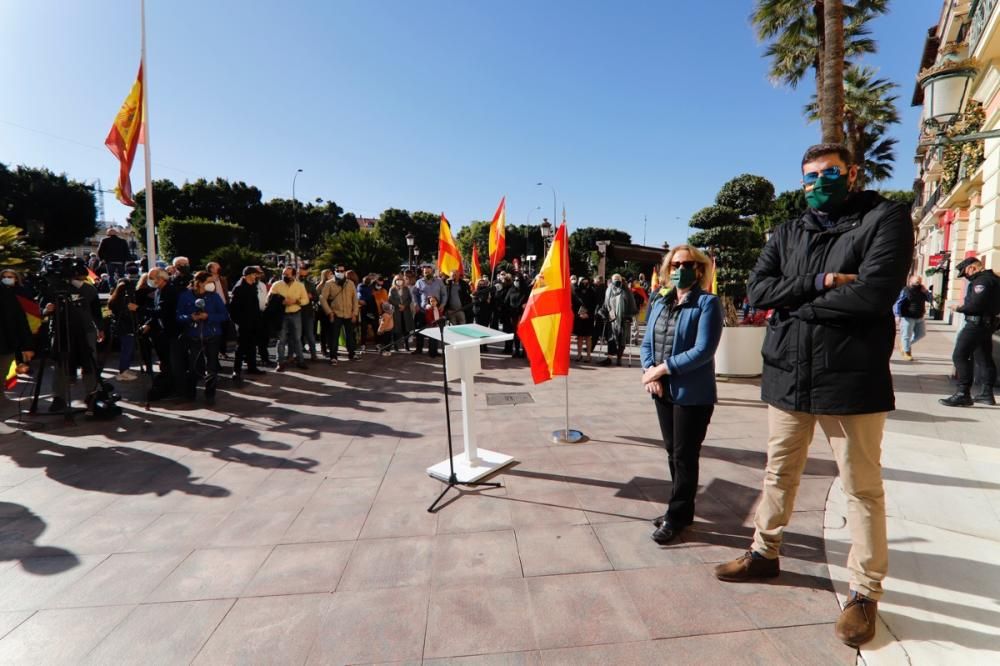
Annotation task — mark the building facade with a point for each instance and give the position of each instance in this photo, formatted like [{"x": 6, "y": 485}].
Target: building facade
[{"x": 957, "y": 209}]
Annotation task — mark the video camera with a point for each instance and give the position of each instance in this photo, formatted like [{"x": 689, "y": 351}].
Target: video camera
[{"x": 56, "y": 272}]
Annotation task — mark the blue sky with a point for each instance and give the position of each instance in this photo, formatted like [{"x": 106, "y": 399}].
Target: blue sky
[{"x": 628, "y": 109}]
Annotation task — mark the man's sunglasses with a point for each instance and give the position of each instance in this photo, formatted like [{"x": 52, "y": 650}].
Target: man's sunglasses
[
  {"x": 683, "y": 264},
  {"x": 811, "y": 177}
]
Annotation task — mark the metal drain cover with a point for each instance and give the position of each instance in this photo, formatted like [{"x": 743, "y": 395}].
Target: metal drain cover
[{"x": 494, "y": 399}]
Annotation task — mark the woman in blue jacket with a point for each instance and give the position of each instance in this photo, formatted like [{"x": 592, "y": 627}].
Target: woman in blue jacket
[
  {"x": 200, "y": 314},
  {"x": 678, "y": 356}
]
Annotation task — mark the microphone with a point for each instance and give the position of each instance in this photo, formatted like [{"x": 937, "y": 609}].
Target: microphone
[{"x": 199, "y": 304}]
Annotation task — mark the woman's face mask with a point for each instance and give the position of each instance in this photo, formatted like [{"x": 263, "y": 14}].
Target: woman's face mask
[
  {"x": 76, "y": 283},
  {"x": 8, "y": 281},
  {"x": 210, "y": 287},
  {"x": 683, "y": 277}
]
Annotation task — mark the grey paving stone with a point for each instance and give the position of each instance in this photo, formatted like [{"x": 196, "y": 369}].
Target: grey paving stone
[
  {"x": 36, "y": 580},
  {"x": 10, "y": 619},
  {"x": 620, "y": 654},
  {"x": 300, "y": 568},
  {"x": 60, "y": 636},
  {"x": 105, "y": 533},
  {"x": 752, "y": 648},
  {"x": 372, "y": 626},
  {"x": 392, "y": 518},
  {"x": 121, "y": 579},
  {"x": 531, "y": 658},
  {"x": 610, "y": 615},
  {"x": 381, "y": 563},
  {"x": 815, "y": 642},
  {"x": 560, "y": 549},
  {"x": 683, "y": 600},
  {"x": 175, "y": 531},
  {"x": 211, "y": 574},
  {"x": 628, "y": 546},
  {"x": 467, "y": 558},
  {"x": 553, "y": 508},
  {"x": 269, "y": 630},
  {"x": 252, "y": 527},
  {"x": 170, "y": 633},
  {"x": 342, "y": 522},
  {"x": 480, "y": 618}
]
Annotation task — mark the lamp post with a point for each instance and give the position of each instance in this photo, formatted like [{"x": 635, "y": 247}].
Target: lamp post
[
  {"x": 409, "y": 245},
  {"x": 416, "y": 255},
  {"x": 545, "y": 228},
  {"x": 295, "y": 213},
  {"x": 946, "y": 87},
  {"x": 553, "y": 201}
]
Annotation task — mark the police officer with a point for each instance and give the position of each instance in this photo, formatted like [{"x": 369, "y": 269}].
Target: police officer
[{"x": 981, "y": 309}]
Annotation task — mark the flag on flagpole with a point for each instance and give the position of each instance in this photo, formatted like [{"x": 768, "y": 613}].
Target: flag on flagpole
[
  {"x": 475, "y": 272},
  {"x": 547, "y": 322},
  {"x": 448, "y": 257},
  {"x": 498, "y": 235},
  {"x": 124, "y": 138},
  {"x": 654, "y": 280}
]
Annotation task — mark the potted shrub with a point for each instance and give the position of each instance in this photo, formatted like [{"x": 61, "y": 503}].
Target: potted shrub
[{"x": 727, "y": 231}]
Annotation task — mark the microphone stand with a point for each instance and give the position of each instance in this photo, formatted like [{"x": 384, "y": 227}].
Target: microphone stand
[{"x": 453, "y": 481}]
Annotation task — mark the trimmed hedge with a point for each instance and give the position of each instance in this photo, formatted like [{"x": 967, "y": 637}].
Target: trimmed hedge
[{"x": 195, "y": 238}]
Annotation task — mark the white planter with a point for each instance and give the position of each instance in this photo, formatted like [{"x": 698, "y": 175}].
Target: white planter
[{"x": 738, "y": 354}]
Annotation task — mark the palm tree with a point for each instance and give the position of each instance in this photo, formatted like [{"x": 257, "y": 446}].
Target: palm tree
[
  {"x": 796, "y": 32},
  {"x": 869, "y": 110},
  {"x": 832, "y": 100}
]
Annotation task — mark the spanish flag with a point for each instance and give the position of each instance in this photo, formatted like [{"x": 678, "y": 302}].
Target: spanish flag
[
  {"x": 715, "y": 278},
  {"x": 654, "y": 280},
  {"x": 498, "y": 235},
  {"x": 476, "y": 274},
  {"x": 10, "y": 381},
  {"x": 547, "y": 322},
  {"x": 448, "y": 257},
  {"x": 124, "y": 138},
  {"x": 32, "y": 312}
]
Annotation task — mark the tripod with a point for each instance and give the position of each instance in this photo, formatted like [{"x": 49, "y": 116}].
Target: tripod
[
  {"x": 60, "y": 347},
  {"x": 453, "y": 481}
]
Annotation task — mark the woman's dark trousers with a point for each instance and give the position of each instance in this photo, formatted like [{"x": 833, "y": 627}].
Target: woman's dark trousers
[{"x": 683, "y": 429}]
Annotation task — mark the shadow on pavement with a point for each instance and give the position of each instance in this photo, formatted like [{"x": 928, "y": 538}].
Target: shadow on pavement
[{"x": 17, "y": 542}]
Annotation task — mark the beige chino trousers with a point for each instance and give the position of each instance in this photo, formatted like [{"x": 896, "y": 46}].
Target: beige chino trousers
[{"x": 856, "y": 441}]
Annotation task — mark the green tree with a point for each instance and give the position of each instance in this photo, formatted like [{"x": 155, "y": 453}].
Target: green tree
[
  {"x": 233, "y": 258},
  {"x": 795, "y": 32},
  {"x": 475, "y": 233},
  {"x": 54, "y": 211},
  {"x": 583, "y": 241},
  {"x": 360, "y": 251},
  {"x": 906, "y": 197},
  {"x": 196, "y": 237},
  {"x": 788, "y": 205},
  {"x": 869, "y": 111},
  {"x": 747, "y": 194}
]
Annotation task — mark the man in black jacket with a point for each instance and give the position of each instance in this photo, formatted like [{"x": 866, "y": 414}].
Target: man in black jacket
[
  {"x": 246, "y": 308},
  {"x": 114, "y": 252},
  {"x": 831, "y": 278},
  {"x": 981, "y": 309}
]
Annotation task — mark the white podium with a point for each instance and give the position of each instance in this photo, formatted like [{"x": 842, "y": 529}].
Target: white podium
[{"x": 461, "y": 350}]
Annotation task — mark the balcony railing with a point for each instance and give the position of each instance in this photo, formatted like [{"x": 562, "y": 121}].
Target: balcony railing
[
  {"x": 931, "y": 202},
  {"x": 980, "y": 11}
]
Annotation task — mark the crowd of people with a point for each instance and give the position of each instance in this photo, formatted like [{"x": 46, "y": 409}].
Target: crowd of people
[{"x": 178, "y": 325}]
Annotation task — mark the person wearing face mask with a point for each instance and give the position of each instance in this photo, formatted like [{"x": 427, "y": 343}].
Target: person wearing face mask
[
  {"x": 16, "y": 339},
  {"x": 482, "y": 304},
  {"x": 294, "y": 298},
  {"x": 429, "y": 287},
  {"x": 324, "y": 324},
  {"x": 182, "y": 272},
  {"x": 124, "y": 310},
  {"x": 515, "y": 298},
  {"x": 245, "y": 310},
  {"x": 678, "y": 359},
  {"x": 201, "y": 314},
  {"x": 339, "y": 300},
  {"x": 584, "y": 308},
  {"x": 402, "y": 303},
  {"x": 84, "y": 319},
  {"x": 981, "y": 308},
  {"x": 619, "y": 309},
  {"x": 831, "y": 277},
  {"x": 459, "y": 298},
  {"x": 309, "y": 311},
  {"x": 162, "y": 328}
]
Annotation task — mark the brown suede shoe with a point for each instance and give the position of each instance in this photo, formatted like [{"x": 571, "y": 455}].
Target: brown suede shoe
[
  {"x": 748, "y": 566},
  {"x": 856, "y": 624}
]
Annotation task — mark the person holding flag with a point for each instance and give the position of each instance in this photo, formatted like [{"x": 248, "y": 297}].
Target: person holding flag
[{"x": 678, "y": 356}]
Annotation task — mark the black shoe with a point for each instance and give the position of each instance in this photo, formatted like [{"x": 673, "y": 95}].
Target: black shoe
[
  {"x": 255, "y": 371},
  {"x": 986, "y": 398},
  {"x": 417, "y": 351},
  {"x": 666, "y": 533},
  {"x": 958, "y": 400},
  {"x": 606, "y": 362},
  {"x": 313, "y": 357}
]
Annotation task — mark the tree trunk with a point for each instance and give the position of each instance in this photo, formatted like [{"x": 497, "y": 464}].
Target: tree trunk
[
  {"x": 832, "y": 111},
  {"x": 820, "y": 52}
]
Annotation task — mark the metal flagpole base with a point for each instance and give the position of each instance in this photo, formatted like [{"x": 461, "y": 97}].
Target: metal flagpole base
[{"x": 568, "y": 436}]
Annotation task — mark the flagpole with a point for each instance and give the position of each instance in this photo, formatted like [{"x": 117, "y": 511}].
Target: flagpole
[
  {"x": 150, "y": 222},
  {"x": 567, "y": 435}
]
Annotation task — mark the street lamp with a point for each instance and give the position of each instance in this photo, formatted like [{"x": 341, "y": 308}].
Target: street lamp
[
  {"x": 409, "y": 244},
  {"x": 416, "y": 255},
  {"x": 546, "y": 230},
  {"x": 527, "y": 218},
  {"x": 553, "y": 201},
  {"x": 295, "y": 214},
  {"x": 946, "y": 87}
]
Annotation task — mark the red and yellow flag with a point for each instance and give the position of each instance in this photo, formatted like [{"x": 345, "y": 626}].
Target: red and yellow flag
[
  {"x": 448, "y": 257},
  {"x": 547, "y": 322},
  {"x": 476, "y": 273},
  {"x": 654, "y": 280},
  {"x": 715, "y": 278},
  {"x": 32, "y": 312},
  {"x": 124, "y": 138},
  {"x": 498, "y": 235},
  {"x": 10, "y": 381}
]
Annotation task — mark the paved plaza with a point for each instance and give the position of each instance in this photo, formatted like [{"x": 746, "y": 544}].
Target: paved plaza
[{"x": 289, "y": 526}]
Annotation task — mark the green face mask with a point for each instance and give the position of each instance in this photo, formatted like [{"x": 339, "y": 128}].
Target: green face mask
[
  {"x": 683, "y": 277},
  {"x": 828, "y": 193}
]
